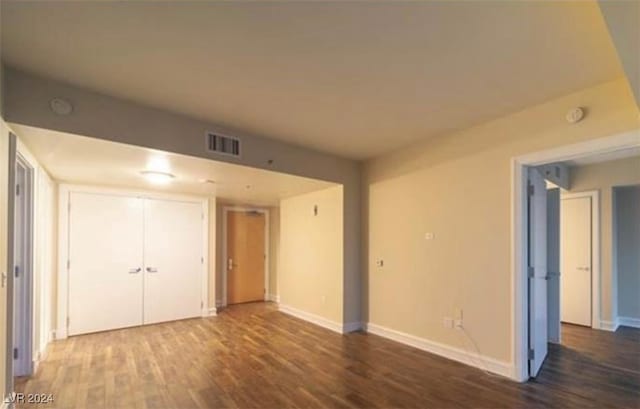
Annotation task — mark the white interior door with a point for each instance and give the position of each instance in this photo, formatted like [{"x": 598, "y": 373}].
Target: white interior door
[
  {"x": 173, "y": 251},
  {"x": 537, "y": 257},
  {"x": 105, "y": 255},
  {"x": 576, "y": 260}
]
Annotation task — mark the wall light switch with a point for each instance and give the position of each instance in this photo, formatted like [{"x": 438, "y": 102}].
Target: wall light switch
[
  {"x": 380, "y": 263},
  {"x": 429, "y": 236}
]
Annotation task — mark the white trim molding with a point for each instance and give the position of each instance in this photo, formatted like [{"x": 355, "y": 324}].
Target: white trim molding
[
  {"x": 213, "y": 311},
  {"x": 273, "y": 298},
  {"x": 223, "y": 262},
  {"x": 519, "y": 297},
  {"x": 455, "y": 354},
  {"x": 312, "y": 318},
  {"x": 629, "y": 322},
  {"x": 611, "y": 326}
]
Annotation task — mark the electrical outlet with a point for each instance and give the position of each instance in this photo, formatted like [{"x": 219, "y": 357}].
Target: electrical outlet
[
  {"x": 447, "y": 322},
  {"x": 429, "y": 236},
  {"x": 380, "y": 263}
]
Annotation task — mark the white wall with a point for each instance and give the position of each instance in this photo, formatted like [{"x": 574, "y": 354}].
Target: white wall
[
  {"x": 310, "y": 276},
  {"x": 44, "y": 254},
  {"x": 603, "y": 177},
  {"x": 4, "y": 183}
]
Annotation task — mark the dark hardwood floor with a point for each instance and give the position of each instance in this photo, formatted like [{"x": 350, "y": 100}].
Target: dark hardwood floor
[{"x": 252, "y": 356}]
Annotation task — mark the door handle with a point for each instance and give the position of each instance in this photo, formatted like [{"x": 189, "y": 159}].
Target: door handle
[
  {"x": 230, "y": 264},
  {"x": 152, "y": 270},
  {"x": 135, "y": 270},
  {"x": 584, "y": 268}
]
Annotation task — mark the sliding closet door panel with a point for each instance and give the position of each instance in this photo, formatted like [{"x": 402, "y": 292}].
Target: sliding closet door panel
[
  {"x": 105, "y": 254},
  {"x": 173, "y": 247}
]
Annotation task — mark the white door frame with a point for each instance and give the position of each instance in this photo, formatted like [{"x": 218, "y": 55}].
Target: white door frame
[
  {"x": 594, "y": 195},
  {"x": 519, "y": 298},
  {"x": 223, "y": 261},
  {"x": 24, "y": 293},
  {"x": 64, "y": 192}
]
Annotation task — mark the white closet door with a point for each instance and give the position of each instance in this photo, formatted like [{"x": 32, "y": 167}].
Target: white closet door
[
  {"x": 105, "y": 254},
  {"x": 173, "y": 247}
]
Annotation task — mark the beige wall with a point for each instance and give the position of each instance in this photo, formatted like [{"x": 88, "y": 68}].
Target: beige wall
[
  {"x": 627, "y": 249},
  {"x": 117, "y": 120},
  {"x": 310, "y": 275},
  {"x": 458, "y": 186},
  {"x": 603, "y": 177}
]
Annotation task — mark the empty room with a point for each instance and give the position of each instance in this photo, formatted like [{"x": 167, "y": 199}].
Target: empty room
[{"x": 294, "y": 204}]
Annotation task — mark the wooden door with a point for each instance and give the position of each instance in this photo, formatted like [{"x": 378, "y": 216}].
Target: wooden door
[{"x": 245, "y": 256}]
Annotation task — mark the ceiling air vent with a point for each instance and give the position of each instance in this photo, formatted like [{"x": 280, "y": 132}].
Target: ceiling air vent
[{"x": 222, "y": 144}]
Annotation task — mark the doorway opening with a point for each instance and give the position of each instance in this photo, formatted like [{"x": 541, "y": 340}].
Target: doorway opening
[
  {"x": 245, "y": 261},
  {"x": 538, "y": 272}
]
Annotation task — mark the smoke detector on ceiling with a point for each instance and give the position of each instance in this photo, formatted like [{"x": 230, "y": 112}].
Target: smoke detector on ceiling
[
  {"x": 575, "y": 115},
  {"x": 61, "y": 106}
]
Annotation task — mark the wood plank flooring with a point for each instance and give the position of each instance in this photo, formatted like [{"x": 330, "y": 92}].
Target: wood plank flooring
[{"x": 252, "y": 356}]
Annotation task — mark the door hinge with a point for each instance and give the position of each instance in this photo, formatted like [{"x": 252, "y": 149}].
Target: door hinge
[
  {"x": 531, "y": 190},
  {"x": 68, "y": 265},
  {"x": 201, "y": 260},
  {"x": 16, "y": 271},
  {"x": 17, "y": 190},
  {"x": 531, "y": 272},
  {"x": 531, "y": 354},
  {"x": 15, "y": 353},
  {"x": 201, "y": 304},
  {"x": 69, "y": 207},
  {"x": 68, "y": 322}
]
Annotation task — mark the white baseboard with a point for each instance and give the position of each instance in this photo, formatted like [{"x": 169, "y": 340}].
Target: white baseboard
[
  {"x": 629, "y": 322},
  {"x": 456, "y": 354},
  {"x": 312, "y": 318},
  {"x": 219, "y": 303},
  {"x": 61, "y": 333},
  {"x": 273, "y": 298},
  {"x": 213, "y": 311},
  {"x": 611, "y": 326}
]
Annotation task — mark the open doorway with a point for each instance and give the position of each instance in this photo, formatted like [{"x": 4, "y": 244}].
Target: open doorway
[{"x": 563, "y": 256}]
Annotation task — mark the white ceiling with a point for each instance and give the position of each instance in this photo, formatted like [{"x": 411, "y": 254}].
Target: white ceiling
[
  {"x": 78, "y": 159},
  {"x": 352, "y": 78}
]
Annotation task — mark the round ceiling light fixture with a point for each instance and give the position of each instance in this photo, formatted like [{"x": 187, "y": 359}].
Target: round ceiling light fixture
[
  {"x": 157, "y": 178},
  {"x": 61, "y": 106}
]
